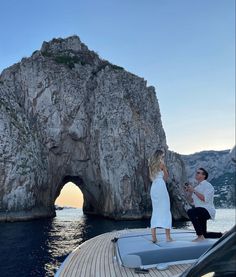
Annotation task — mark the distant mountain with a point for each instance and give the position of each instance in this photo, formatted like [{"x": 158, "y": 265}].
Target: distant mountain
[{"x": 221, "y": 168}]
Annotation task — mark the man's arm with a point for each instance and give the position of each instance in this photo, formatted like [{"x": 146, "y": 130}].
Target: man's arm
[
  {"x": 188, "y": 194},
  {"x": 198, "y": 194}
]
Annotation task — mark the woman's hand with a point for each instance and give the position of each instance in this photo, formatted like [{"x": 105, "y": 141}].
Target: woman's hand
[
  {"x": 162, "y": 165},
  {"x": 164, "y": 169}
]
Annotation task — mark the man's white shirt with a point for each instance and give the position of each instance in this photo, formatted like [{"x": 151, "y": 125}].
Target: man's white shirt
[{"x": 207, "y": 190}]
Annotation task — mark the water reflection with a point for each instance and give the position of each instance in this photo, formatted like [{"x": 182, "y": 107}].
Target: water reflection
[{"x": 37, "y": 248}]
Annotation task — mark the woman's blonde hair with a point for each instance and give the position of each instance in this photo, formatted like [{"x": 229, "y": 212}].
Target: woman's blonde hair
[{"x": 154, "y": 163}]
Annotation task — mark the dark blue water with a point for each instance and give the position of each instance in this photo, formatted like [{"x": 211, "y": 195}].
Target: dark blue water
[{"x": 37, "y": 248}]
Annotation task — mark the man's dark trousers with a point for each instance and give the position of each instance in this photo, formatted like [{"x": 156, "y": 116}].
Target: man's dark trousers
[{"x": 199, "y": 217}]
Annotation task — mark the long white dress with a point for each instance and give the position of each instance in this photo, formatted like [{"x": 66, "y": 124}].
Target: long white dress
[{"x": 161, "y": 215}]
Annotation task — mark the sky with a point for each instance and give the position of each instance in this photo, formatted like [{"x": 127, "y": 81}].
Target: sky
[
  {"x": 184, "y": 48},
  {"x": 70, "y": 196}
]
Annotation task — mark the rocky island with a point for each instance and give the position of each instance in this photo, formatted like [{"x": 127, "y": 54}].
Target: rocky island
[{"x": 68, "y": 115}]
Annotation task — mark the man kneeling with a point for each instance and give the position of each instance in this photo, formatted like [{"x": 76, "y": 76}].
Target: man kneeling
[{"x": 202, "y": 198}]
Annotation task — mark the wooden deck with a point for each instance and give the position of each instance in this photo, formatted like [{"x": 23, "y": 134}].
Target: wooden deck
[{"x": 96, "y": 258}]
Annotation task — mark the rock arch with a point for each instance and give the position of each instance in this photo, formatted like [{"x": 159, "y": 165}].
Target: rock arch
[
  {"x": 66, "y": 113},
  {"x": 75, "y": 181}
]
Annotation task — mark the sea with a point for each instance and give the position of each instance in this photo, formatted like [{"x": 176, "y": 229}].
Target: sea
[{"x": 38, "y": 247}]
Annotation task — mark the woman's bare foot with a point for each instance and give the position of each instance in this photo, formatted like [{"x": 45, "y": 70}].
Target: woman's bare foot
[
  {"x": 154, "y": 235},
  {"x": 154, "y": 239},
  {"x": 199, "y": 238},
  {"x": 168, "y": 236}
]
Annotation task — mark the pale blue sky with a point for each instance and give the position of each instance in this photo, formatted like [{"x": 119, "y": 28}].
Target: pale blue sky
[{"x": 185, "y": 48}]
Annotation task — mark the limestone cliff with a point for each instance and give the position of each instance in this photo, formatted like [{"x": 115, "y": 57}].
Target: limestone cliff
[{"x": 67, "y": 115}]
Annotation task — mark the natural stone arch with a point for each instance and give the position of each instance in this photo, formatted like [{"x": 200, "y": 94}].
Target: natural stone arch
[
  {"x": 70, "y": 187},
  {"x": 91, "y": 204},
  {"x": 65, "y": 112}
]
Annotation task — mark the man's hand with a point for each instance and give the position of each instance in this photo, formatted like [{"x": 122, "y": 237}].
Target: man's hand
[{"x": 190, "y": 188}]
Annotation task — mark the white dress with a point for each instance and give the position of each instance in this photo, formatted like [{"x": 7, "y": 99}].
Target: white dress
[{"x": 161, "y": 215}]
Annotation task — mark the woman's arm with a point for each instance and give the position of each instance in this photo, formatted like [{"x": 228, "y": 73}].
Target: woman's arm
[{"x": 164, "y": 169}]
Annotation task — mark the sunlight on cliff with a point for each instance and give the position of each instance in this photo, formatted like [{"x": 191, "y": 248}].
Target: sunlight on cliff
[{"x": 70, "y": 196}]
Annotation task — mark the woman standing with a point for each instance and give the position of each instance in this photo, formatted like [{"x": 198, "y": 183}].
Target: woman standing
[{"x": 161, "y": 215}]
